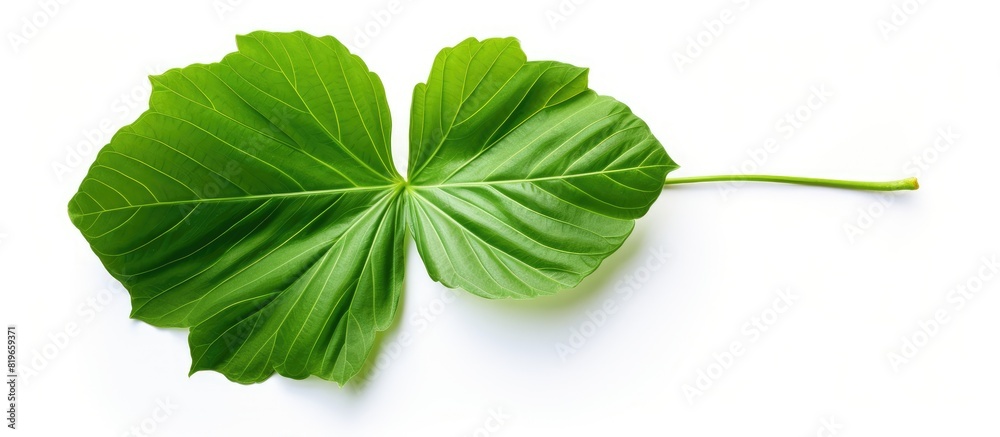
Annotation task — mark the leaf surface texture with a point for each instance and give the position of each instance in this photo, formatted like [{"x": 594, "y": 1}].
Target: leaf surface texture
[{"x": 257, "y": 202}]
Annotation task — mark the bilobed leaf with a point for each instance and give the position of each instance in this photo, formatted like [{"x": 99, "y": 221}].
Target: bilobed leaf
[
  {"x": 256, "y": 202},
  {"x": 522, "y": 179}
]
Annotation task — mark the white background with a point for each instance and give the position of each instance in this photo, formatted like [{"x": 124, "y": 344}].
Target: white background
[{"x": 823, "y": 365}]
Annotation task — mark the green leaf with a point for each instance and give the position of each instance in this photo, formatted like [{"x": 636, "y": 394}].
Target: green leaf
[
  {"x": 522, "y": 179},
  {"x": 256, "y": 202}
]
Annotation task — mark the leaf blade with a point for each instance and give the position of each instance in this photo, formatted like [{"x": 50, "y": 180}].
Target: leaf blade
[
  {"x": 523, "y": 185},
  {"x": 256, "y": 203}
]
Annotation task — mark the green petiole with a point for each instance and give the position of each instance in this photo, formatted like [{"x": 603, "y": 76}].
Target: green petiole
[{"x": 898, "y": 185}]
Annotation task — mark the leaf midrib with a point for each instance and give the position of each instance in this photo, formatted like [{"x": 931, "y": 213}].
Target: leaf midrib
[
  {"x": 245, "y": 198},
  {"x": 538, "y": 179},
  {"x": 363, "y": 189}
]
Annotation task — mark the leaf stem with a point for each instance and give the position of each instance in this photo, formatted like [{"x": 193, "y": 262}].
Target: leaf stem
[{"x": 902, "y": 184}]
